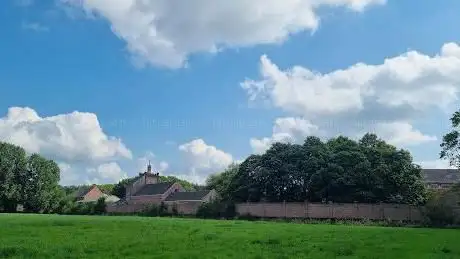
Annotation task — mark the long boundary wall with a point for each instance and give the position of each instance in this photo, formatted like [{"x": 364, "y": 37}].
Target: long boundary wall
[
  {"x": 396, "y": 212},
  {"x": 332, "y": 211}
]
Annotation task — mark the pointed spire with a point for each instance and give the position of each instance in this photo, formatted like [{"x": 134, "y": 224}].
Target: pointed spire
[{"x": 149, "y": 168}]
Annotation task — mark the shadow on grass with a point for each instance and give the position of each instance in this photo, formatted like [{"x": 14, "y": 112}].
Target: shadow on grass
[{"x": 16, "y": 251}]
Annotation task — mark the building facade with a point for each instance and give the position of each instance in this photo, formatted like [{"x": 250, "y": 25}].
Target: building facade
[
  {"x": 149, "y": 190},
  {"x": 441, "y": 178}
]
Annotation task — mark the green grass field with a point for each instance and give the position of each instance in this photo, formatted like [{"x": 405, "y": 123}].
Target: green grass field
[{"x": 45, "y": 236}]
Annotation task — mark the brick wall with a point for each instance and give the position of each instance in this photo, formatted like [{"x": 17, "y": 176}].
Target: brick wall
[
  {"x": 145, "y": 199},
  {"x": 330, "y": 211},
  {"x": 295, "y": 210},
  {"x": 126, "y": 208}
]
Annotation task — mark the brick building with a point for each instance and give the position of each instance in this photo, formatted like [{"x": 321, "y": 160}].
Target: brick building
[
  {"x": 92, "y": 194},
  {"x": 148, "y": 190},
  {"x": 88, "y": 194}
]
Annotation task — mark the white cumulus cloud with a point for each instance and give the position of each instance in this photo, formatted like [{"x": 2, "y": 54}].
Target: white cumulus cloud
[
  {"x": 401, "y": 134},
  {"x": 411, "y": 79},
  {"x": 166, "y": 32},
  {"x": 105, "y": 173},
  {"x": 71, "y": 137},
  {"x": 386, "y": 98},
  {"x": 285, "y": 130},
  {"x": 74, "y": 140},
  {"x": 202, "y": 159}
]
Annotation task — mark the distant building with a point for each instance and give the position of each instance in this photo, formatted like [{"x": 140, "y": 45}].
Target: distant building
[
  {"x": 88, "y": 193},
  {"x": 149, "y": 190},
  {"x": 441, "y": 178},
  {"x": 92, "y": 194}
]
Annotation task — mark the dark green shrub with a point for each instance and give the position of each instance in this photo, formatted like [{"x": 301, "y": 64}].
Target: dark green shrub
[
  {"x": 248, "y": 217},
  {"x": 100, "y": 207},
  {"x": 156, "y": 210},
  {"x": 83, "y": 208},
  {"x": 216, "y": 209},
  {"x": 443, "y": 208}
]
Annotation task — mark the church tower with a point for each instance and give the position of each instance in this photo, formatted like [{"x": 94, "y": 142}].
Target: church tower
[{"x": 150, "y": 176}]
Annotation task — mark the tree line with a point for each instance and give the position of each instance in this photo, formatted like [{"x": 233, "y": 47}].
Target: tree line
[
  {"x": 337, "y": 170},
  {"x": 32, "y": 182}
]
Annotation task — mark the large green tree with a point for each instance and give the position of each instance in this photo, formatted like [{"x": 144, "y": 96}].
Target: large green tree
[
  {"x": 221, "y": 181},
  {"x": 451, "y": 142},
  {"x": 13, "y": 162},
  {"x": 40, "y": 180},
  {"x": 339, "y": 170},
  {"x": 31, "y": 181}
]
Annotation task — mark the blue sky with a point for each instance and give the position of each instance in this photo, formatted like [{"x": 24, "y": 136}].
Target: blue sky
[{"x": 183, "y": 106}]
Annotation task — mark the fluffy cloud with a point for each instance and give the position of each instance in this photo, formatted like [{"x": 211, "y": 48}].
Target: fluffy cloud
[
  {"x": 386, "y": 97},
  {"x": 75, "y": 140},
  {"x": 285, "y": 130},
  {"x": 166, "y": 32},
  {"x": 68, "y": 137},
  {"x": 69, "y": 176},
  {"x": 401, "y": 134},
  {"x": 203, "y": 159},
  {"x": 105, "y": 173},
  {"x": 76, "y": 174},
  {"x": 414, "y": 80}
]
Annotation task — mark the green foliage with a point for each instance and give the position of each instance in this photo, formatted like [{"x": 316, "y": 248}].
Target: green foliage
[
  {"x": 119, "y": 189},
  {"x": 338, "y": 170},
  {"x": 106, "y": 188},
  {"x": 221, "y": 181},
  {"x": 69, "y": 190},
  {"x": 65, "y": 205},
  {"x": 82, "y": 208},
  {"x": 187, "y": 185},
  {"x": 69, "y": 207},
  {"x": 40, "y": 184},
  {"x": 100, "y": 207},
  {"x": 443, "y": 208},
  {"x": 216, "y": 210},
  {"x": 451, "y": 142},
  {"x": 31, "y": 181},
  {"x": 13, "y": 163},
  {"x": 156, "y": 210}
]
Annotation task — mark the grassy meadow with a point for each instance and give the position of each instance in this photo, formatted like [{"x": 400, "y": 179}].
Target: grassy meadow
[{"x": 50, "y": 236}]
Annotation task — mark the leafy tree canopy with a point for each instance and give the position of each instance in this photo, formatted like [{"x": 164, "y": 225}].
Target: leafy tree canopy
[
  {"x": 338, "y": 170},
  {"x": 31, "y": 181},
  {"x": 451, "y": 142},
  {"x": 221, "y": 181}
]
